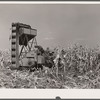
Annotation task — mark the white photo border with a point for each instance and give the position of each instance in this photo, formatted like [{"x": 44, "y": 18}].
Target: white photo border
[{"x": 49, "y": 93}]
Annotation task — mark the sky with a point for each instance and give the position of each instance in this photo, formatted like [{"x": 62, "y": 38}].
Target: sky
[{"x": 56, "y": 24}]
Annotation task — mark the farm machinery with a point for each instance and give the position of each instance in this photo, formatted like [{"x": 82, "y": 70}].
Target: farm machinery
[{"x": 24, "y": 51}]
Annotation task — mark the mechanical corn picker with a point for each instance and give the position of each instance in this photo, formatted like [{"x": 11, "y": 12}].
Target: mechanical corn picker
[{"x": 23, "y": 42}]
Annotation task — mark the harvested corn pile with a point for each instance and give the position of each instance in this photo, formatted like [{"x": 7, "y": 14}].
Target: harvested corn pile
[{"x": 79, "y": 68}]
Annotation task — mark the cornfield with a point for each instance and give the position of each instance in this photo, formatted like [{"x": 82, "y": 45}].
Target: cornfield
[{"x": 80, "y": 70}]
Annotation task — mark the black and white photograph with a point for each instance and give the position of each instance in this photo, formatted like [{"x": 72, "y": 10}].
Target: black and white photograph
[{"x": 49, "y": 46}]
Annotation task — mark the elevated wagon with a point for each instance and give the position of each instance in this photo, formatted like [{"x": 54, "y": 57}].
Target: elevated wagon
[{"x": 23, "y": 42}]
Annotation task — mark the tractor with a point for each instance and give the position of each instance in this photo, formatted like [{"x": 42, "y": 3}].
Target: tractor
[{"x": 25, "y": 53}]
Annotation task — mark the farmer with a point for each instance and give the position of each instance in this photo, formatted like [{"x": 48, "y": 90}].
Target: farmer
[{"x": 57, "y": 62}]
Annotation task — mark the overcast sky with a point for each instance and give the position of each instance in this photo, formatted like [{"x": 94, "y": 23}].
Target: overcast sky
[{"x": 57, "y": 24}]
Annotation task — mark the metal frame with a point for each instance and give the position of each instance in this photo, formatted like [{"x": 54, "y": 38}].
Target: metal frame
[
  {"x": 25, "y": 49},
  {"x": 18, "y": 52}
]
